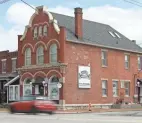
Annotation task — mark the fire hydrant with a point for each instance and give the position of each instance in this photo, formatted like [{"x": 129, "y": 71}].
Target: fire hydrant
[{"x": 90, "y": 107}]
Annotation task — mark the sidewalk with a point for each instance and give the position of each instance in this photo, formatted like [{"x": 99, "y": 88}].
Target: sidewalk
[
  {"x": 86, "y": 111},
  {"x": 96, "y": 111}
]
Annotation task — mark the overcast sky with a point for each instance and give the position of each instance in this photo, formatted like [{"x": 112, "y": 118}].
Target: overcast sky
[{"x": 123, "y": 16}]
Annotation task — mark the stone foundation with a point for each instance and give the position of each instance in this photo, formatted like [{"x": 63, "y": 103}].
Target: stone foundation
[
  {"x": 126, "y": 106},
  {"x": 83, "y": 106}
]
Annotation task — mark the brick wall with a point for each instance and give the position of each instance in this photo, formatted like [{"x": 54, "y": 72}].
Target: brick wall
[
  {"x": 77, "y": 54},
  {"x": 7, "y": 55}
]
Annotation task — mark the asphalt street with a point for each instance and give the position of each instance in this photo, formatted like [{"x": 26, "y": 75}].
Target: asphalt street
[{"x": 71, "y": 118}]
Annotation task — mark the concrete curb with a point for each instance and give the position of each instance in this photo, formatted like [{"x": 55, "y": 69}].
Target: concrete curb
[{"x": 81, "y": 112}]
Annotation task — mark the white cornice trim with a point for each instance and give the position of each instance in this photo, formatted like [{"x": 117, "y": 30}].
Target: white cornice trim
[{"x": 97, "y": 45}]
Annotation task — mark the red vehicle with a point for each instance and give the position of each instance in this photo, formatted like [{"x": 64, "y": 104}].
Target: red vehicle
[{"x": 33, "y": 104}]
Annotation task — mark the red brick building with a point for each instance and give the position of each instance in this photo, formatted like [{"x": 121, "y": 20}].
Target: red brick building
[
  {"x": 8, "y": 66},
  {"x": 92, "y": 61}
]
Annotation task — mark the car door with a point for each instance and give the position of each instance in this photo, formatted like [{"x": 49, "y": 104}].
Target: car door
[{"x": 26, "y": 105}]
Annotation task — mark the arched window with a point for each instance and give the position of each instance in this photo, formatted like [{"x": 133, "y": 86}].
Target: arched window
[
  {"x": 40, "y": 31},
  {"x": 45, "y": 30},
  {"x": 27, "y": 57},
  {"x": 55, "y": 79},
  {"x": 53, "y": 53},
  {"x": 40, "y": 55},
  {"x": 27, "y": 87},
  {"x": 35, "y": 32}
]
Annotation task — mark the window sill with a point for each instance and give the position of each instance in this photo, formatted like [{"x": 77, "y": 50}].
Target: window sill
[
  {"x": 104, "y": 96},
  {"x": 115, "y": 96},
  {"x": 127, "y": 96},
  {"x": 104, "y": 66}
]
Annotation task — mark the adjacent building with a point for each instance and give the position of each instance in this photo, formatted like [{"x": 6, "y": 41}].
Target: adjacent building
[
  {"x": 8, "y": 66},
  {"x": 75, "y": 61}
]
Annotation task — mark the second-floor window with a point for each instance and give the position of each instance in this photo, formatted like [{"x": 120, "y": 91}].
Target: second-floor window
[
  {"x": 53, "y": 53},
  {"x": 127, "y": 61},
  {"x": 27, "y": 57},
  {"x": 40, "y": 55},
  {"x": 14, "y": 64},
  {"x": 3, "y": 65},
  {"x": 104, "y": 58},
  {"x": 139, "y": 62}
]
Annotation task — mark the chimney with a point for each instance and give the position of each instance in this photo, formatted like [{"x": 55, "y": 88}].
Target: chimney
[{"x": 78, "y": 22}]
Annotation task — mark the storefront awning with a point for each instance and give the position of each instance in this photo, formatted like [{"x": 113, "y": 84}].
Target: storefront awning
[{"x": 12, "y": 80}]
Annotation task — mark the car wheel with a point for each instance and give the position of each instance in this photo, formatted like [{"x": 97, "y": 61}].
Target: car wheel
[
  {"x": 33, "y": 110},
  {"x": 50, "y": 112}
]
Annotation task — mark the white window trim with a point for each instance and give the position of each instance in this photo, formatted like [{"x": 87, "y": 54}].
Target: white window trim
[
  {"x": 103, "y": 79},
  {"x": 50, "y": 54},
  {"x": 117, "y": 89},
  {"x": 14, "y": 91},
  {"x": 39, "y": 55},
  {"x": 127, "y": 54},
  {"x": 14, "y": 58},
  {"x": 140, "y": 61},
  {"x": 3, "y": 59},
  {"x": 24, "y": 88},
  {"x": 127, "y": 81},
  {"x": 16, "y": 63},
  {"x": 1, "y": 66},
  {"x": 27, "y": 56},
  {"x": 104, "y": 50}
]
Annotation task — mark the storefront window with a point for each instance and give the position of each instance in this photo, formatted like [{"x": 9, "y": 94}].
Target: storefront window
[
  {"x": 14, "y": 92},
  {"x": 27, "y": 87}
]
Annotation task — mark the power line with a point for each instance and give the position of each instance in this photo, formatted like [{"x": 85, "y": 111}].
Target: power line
[
  {"x": 3, "y": 1},
  {"x": 134, "y": 2}
]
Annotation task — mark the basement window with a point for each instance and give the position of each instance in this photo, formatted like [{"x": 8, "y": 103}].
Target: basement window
[{"x": 112, "y": 34}]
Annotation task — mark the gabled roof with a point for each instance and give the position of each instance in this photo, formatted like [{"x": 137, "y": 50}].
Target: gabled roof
[{"x": 96, "y": 34}]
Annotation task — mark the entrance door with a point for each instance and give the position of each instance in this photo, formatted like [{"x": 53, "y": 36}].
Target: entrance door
[{"x": 53, "y": 90}]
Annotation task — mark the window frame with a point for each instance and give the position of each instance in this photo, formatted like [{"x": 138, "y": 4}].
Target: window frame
[
  {"x": 51, "y": 54},
  {"x": 13, "y": 95},
  {"x": 28, "y": 57},
  {"x": 3, "y": 69},
  {"x": 127, "y": 82},
  {"x": 127, "y": 60},
  {"x": 35, "y": 32},
  {"x": 40, "y": 31},
  {"x": 39, "y": 55},
  {"x": 104, "y": 58},
  {"x": 105, "y": 88},
  {"x": 139, "y": 62},
  {"x": 45, "y": 30},
  {"x": 117, "y": 89},
  {"x": 14, "y": 67}
]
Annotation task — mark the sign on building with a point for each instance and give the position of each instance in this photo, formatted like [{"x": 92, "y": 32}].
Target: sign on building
[{"x": 84, "y": 79}]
